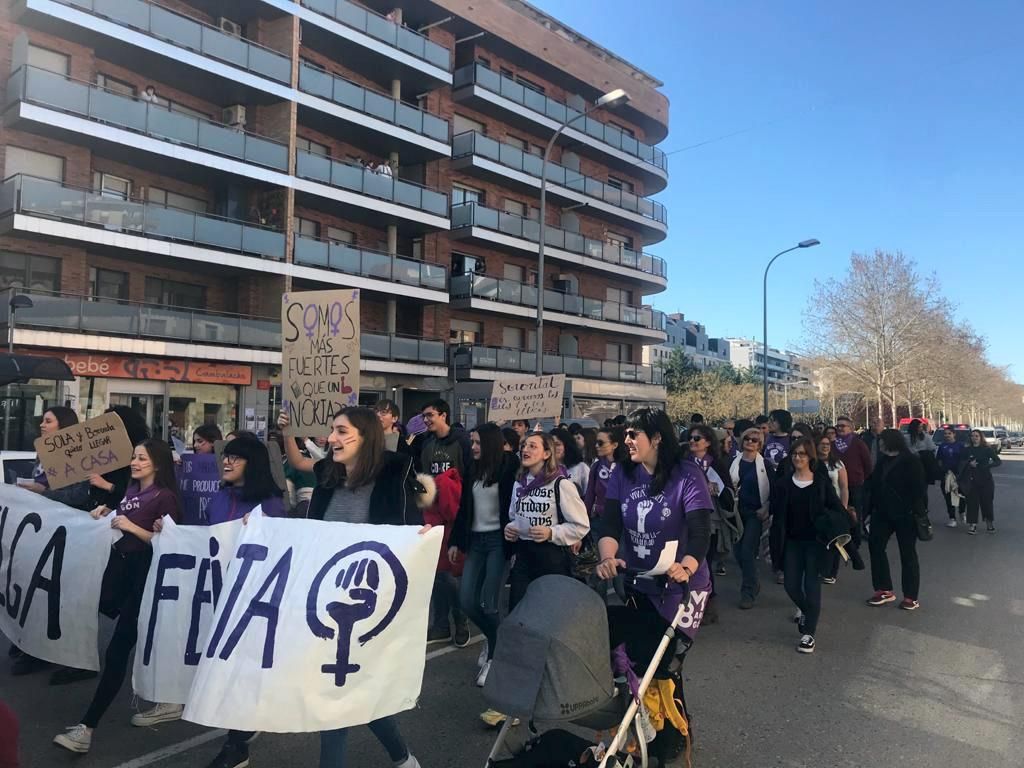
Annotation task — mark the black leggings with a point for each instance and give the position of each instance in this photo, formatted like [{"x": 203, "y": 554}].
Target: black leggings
[
  {"x": 132, "y": 568},
  {"x": 639, "y": 625},
  {"x": 533, "y": 560}
]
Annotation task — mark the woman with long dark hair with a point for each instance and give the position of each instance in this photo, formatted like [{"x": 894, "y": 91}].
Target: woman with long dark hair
[
  {"x": 976, "y": 463},
  {"x": 546, "y": 516},
  {"x": 896, "y": 500},
  {"x": 357, "y": 482},
  {"x": 586, "y": 441},
  {"x": 830, "y": 461},
  {"x": 478, "y": 533},
  {"x": 153, "y": 493},
  {"x": 108, "y": 489},
  {"x": 610, "y": 445},
  {"x": 801, "y": 504},
  {"x": 568, "y": 455}
]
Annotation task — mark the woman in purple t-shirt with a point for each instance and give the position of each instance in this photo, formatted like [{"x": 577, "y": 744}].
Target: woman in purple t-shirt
[
  {"x": 659, "y": 506},
  {"x": 152, "y": 494}
]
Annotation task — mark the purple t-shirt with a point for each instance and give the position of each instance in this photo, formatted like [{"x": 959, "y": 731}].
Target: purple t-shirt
[
  {"x": 227, "y": 505},
  {"x": 776, "y": 449},
  {"x": 597, "y": 486},
  {"x": 649, "y": 523}
]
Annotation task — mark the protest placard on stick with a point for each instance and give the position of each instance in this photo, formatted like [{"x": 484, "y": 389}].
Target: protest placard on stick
[
  {"x": 526, "y": 397},
  {"x": 91, "y": 447}
]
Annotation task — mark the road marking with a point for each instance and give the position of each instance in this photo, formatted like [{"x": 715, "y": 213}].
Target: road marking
[
  {"x": 204, "y": 738},
  {"x": 172, "y": 750}
]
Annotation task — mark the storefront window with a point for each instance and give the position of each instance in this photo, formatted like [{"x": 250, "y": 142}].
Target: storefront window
[
  {"x": 195, "y": 404},
  {"x": 25, "y": 404}
]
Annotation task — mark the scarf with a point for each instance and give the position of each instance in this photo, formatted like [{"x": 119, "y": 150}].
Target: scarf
[{"x": 540, "y": 481}]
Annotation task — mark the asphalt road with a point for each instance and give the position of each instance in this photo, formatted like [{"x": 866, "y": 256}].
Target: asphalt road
[{"x": 940, "y": 686}]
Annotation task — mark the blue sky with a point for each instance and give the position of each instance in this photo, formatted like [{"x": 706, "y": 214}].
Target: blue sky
[{"x": 891, "y": 125}]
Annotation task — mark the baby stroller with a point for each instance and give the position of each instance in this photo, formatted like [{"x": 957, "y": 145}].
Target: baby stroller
[{"x": 553, "y": 665}]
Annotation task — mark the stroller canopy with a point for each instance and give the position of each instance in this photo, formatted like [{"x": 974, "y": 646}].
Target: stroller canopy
[{"x": 552, "y": 662}]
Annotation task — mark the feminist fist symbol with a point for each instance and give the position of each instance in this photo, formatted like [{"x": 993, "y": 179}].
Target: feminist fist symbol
[{"x": 347, "y": 614}]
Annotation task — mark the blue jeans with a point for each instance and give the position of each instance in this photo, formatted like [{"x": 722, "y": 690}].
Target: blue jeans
[
  {"x": 802, "y": 564},
  {"x": 746, "y": 552},
  {"x": 482, "y": 578},
  {"x": 332, "y": 743}
]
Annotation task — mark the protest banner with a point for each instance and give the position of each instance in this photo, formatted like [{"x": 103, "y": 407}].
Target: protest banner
[
  {"x": 52, "y": 559},
  {"x": 533, "y": 397},
  {"x": 94, "y": 446},
  {"x": 198, "y": 482},
  {"x": 319, "y": 358},
  {"x": 320, "y": 625},
  {"x": 183, "y": 587}
]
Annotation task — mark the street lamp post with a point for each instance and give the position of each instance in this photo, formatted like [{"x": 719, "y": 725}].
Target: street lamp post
[
  {"x": 785, "y": 390},
  {"x": 15, "y": 302},
  {"x": 764, "y": 351},
  {"x": 610, "y": 100}
]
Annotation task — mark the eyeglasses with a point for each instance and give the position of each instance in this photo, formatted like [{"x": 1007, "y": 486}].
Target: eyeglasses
[
  {"x": 233, "y": 459},
  {"x": 752, "y": 440}
]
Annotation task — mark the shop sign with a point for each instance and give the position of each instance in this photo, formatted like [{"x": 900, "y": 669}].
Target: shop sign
[{"x": 154, "y": 369}]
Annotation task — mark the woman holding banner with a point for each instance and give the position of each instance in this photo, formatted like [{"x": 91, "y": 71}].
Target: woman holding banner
[
  {"x": 357, "y": 482},
  {"x": 153, "y": 493}
]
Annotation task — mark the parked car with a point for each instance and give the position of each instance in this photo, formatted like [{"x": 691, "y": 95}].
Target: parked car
[
  {"x": 991, "y": 440},
  {"x": 17, "y": 464},
  {"x": 1004, "y": 438}
]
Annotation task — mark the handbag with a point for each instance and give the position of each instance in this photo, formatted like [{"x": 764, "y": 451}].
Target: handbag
[
  {"x": 583, "y": 563},
  {"x": 925, "y": 532}
]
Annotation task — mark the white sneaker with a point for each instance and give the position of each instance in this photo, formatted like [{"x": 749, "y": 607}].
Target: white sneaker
[
  {"x": 158, "y": 713},
  {"x": 806, "y": 644},
  {"x": 77, "y": 738},
  {"x": 482, "y": 658},
  {"x": 481, "y": 677},
  {"x": 951, "y": 523},
  {"x": 409, "y": 762}
]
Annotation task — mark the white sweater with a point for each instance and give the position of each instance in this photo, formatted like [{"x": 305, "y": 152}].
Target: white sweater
[{"x": 538, "y": 508}]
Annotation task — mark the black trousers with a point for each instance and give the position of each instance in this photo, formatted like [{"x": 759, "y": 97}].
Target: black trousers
[
  {"x": 131, "y": 569},
  {"x": 533, "y": 560},
  {"x": 833, "y": 559},
  {"x": 982, "y": 496},
  {"x": 639, "y": 625},
  {"x": 949, "y": 505},
  {"x": 882, "y": 529}
]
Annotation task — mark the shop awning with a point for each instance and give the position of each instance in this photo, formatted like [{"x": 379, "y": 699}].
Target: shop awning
[{"x": 18, "y": 369}]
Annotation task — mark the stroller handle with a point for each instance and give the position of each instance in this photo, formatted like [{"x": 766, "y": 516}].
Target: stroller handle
[{"x": 634, "y": 577}]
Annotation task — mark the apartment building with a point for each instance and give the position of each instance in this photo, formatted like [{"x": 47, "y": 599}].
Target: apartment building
[
  {"x": 783, "y": 367},
  {"x": 171, "y": 168},
  {"x": 692, "y": 338}
]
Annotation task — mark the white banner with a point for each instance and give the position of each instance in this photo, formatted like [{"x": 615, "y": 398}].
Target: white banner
[
  {"x": 320, "y": 625},
  {"x": 184, "y": 585},
  {"x": 52, "y": 559}
]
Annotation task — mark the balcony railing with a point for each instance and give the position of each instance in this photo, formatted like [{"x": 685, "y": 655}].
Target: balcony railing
[
  {"x": 355, "y": 178},
  {"x": 67, "y": 312},
  {"x": 195, "y": 35},
  {"x": 341, "y": 257},
  {"x": 478, "y": 74},
  {"x": 512, "y": 292},
  {"x": 49, "y": 89},
  {"x": 473, "y": 143},
  {"x": 520, "y": 361},
  {"x": 476, "y": 215},
  {"x": 319, "y": 82},
  {"x": 42, "y": 197},
  {"x": 381, "y": 28}
]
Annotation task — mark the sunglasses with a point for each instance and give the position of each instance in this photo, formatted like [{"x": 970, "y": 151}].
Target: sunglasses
[
  {"x": 800, "y": 453},
  {"x": 600, "y": 443},
  {"x": 696, "y": 438},
  {"x": 632, "y": 434},
  {"x": 752, "y": 440}
]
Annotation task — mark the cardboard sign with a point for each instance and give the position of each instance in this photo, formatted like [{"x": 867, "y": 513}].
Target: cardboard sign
[
  {"x": 96, "y": 446},
  {"x": 535, "y": 397},
  {"x": 198, "y": 482},
  {"x": 319, "y": 358}
]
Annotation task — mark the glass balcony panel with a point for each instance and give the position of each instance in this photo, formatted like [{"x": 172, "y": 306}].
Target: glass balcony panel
[
  {"x": 435, "y": 127},
  {"x": 310, "y": 166},
  {"x": 552, "y": 364},
  {"x": 170, "y": 223},
  {"x": 107, "y": 317},
  {"x": 487, "y": 78},
  {"x": 348, "y": 94},
  {"x": 529, "y": 296},
  {"x": 433, "y": 276},
  {"x": 265, "y": 334},
  {"x": 219, "y": 233},
  {"x": 407, "y": 272},
  {"x": 131, "y": 13},
  {"x": 510, "y": 156},
  {"x": 8, "y": 195},
  {"x": 409, "y": 117},
  {"x": 408, "y": 194},
  {"x": 173, "y": 126},
  {"x": 316, "y": 82},
  {"x": 54, "y": 90},
  {"x": 379, "y": 185},
  {"x": 311, "y": 252},
  {"x": 439, "y": 56},
  {"x": 532, "y": 165},
  {"x": 50, "y": 312},
  {"x": 382, "y": 29},
  {"x": 326, "y": 7},
  {"x": 263, "y": 242},
  {"x": 375, "y": 346},
  {"x": 347, "y": 13},
  {"x": 376, "y": 265},
  {"x": 530, "y": 229},
  {"x": 434, "y": 202},
  {"x": 463, "y": 144},
  {"x": 410, "y": 42},
  {"x": 379, "y": 106},
  {"x": 510, "y": 291},
  {"x": 117, "y": 110},
  {"x": 222, "y": 139},
  {"x": 171, "y": 26},
  {"x": 592, "y": 308},
  {"x": 270, "y": 63},
  {"x": 225, "y": 47},
  {"x": 266, "y": 152},
  {"x": 404, "y": 349},
  {"x": 510, "y": 89},
  {"x": 345, "y": 258},
  {"x": 41, "y": 196},
  {"x": 432, "y": 351},
  {"x": 573, "y": 304},
  {"x": 554, "y": 300},
  {"x": 168, "y": 324}
]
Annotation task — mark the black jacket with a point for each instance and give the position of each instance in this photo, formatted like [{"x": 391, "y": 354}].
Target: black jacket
[
  {"x": 393, "y": 500},
  {"x": 898, "y": 489},
  {"x": 463, "y": 525},
  {"x": 827, "y": 513}
]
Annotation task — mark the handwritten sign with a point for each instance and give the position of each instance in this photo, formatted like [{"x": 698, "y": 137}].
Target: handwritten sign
[
  {"x": 535, "y": 397},
  {"x": 319, "y": 358},
  {"x": 52, "y": 559},
  {"x": 95, "y": 446},
  {"x": 198, "y": 482}
]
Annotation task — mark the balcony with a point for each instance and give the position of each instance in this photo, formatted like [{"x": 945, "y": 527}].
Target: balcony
[
  {"x": 47, "y": 89},
  {"x": 492, "y": 91},
  {"x": 43, "y": 198},
  {"x": 381, "y": 41},
  {"x": 362, "y": 181},
  {"x": 82, "y": 314},
  {"x": 479, "y": 358},
  {"x": 473, "y": 150},
  {"x": 420, "y": 130},
  {"x": 495, "y": 227},
  {"x": 171, "y": 27},
  {"x": 595, "y": 311},
  {"x": 362, "y": 262}
]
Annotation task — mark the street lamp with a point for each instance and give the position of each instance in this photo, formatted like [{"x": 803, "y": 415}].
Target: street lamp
[
  {"x": 785, "y": 389},
  {"x": 610, "y": 100},
  {"x": 764, "y": 352},
  {"x": 15, "y": 302}
]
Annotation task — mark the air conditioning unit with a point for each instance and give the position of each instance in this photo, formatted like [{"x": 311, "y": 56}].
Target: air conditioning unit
[
  {"x": 234, "y": 115},
  {"x": 229, "y": 26}
]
